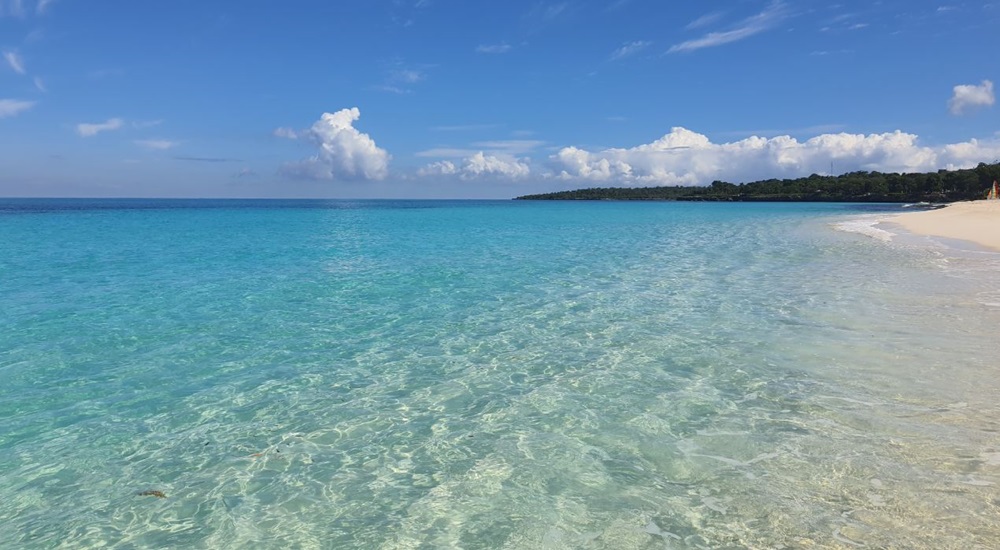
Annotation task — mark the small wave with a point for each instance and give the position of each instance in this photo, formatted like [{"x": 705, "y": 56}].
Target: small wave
[{"x": 865, "y": 226}]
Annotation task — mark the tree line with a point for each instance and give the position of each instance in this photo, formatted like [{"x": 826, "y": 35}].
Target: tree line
[{"x": 940, "y": 186}]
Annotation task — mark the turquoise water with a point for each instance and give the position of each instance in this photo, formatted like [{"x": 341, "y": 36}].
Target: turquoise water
[{"x": 384, "y": 374}]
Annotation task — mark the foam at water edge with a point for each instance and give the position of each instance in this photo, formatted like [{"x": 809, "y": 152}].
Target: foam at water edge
[{"x": 865, "y": 226}]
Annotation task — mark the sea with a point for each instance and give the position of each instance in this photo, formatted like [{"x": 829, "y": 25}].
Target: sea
[{"x": 493, "y": 374}]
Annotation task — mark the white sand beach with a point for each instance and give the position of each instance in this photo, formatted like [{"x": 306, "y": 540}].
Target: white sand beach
[{"x": 975, "y": 221}]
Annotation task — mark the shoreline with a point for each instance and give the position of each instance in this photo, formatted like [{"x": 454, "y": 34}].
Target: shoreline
[{"x": 975, "y": 221}]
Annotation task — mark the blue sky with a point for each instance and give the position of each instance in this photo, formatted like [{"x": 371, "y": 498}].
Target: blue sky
[{"x": 450, "y": 98}]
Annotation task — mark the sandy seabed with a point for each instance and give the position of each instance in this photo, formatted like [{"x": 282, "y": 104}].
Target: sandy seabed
[{"x": 976, "y": 221}]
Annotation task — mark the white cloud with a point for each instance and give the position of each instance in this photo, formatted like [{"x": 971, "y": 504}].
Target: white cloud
[
  {"x": 140, "y": 124},
  {"x": 446, "y": 152},
  {"x": 502, "y": 148},
  {"x": 407, "y": 76},
  {"x": 440, "y": 168},
  {"x": 493, "y": 48},
  {"x": 705, "y": 20},
  {"x": 88, "y": 130},
  {"x": 750, "y": 26},
  {"x": 40, "y": 85},
  {"x": 156, "y": 144},
  {"x": 391, "y": 89},
  {"x": 344, "y": 152},
  {"x": 13, "y": 107},
  {"x": 630, "y": 48},
  {"x": 683, "y": 157},
  {"x": 968, "y": 96},
  {"x": 479, "y": 165},
  {"x": 43, "y": 6},
  {"x": 464, "y": 127},
  {"x": 543, "y": 12},
  {"x": 509, "y": 146},
  {"x": 245, "y": 173},
  {"x": 15, "y": 61},
  {"x": 286, "y": 133}
]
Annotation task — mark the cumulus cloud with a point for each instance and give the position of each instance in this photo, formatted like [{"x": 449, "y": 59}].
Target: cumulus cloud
[
  {"x": 750, "y": 26},
  {"x": 344, "y": 152},
  {"x": 683, "y": 157},
  {"x": 15, "y": 61},
  {"x": 970, "y": 96},
  {"x": 88, "y": 130},
  {"x": 479, "y": 165},
  {"x": 13, "y": 107}
]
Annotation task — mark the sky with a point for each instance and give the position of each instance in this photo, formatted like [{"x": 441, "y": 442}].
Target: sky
[{"x": 484, "y": 99}]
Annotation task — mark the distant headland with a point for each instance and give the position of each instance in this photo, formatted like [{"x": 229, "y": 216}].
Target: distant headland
[{"x": 940, "y": 186}]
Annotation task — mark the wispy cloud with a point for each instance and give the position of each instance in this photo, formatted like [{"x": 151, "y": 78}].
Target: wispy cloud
[
  {"x": 13, "y": 107},
  {"x": 543, "y": 14},
  {"x": 43, "y": 6},
  {"x": 503, "y": 47},
  {"x": 156, "y": 144},
  {"x": 750, "y": 26},
  {"x": 464, "y": 127},
  {"x": 705, "y": 20},
  {"x": 15, "y": 61},
  {"x": 205, "y": 159},
  {"x": 13, "y": 8},
  {"x": 245, "y": 173},
  {"x": 509, "y": 146},
  {"x": 502, "y": 147},
  {"x": 545, "y": 11},
  {"x": 399, "y": 78},
  {"x": 140, "y": 124},
  {"x": 88, "y": 130},
  {"x": 391, "y": 89},
  {"x": 40, "y": 85},
  {"x": 970, "y": 96},
  {"x": 629, "y": 49},
  {"x": 445, "y": 152},
  {"x": 407, "y": 76},
  {"x": 821, "y": 53}
]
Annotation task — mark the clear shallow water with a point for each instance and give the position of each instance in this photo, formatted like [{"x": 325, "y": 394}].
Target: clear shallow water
[{"x": 491, "y": 375}]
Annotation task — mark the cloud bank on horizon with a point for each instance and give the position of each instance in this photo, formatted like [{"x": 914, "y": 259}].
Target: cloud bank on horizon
[{"x": 680, "y": 157}]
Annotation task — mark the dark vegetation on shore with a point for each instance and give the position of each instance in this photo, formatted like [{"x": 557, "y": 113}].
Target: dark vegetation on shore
[{"x": 940, "y": 186}]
